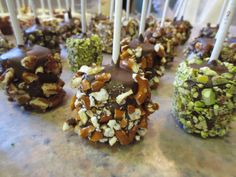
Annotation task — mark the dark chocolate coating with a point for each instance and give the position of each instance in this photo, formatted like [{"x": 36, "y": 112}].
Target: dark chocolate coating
[
  {"x": 13, "y": 58},
  {"x": 147, "y": 47},
  {"x": 120, "y": 75},
  {"x": 29, "y": 84}
]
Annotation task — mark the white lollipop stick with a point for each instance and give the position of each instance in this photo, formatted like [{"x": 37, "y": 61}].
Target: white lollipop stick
[
  {"x": 149, "y": 8},
  {"x": 116, "y": 32},
  {"x": 1, "y": 8},
  {"x": 83, "y": 16},
  {"x": 18, "y": 7},
  {"x": 178, "y": 8},
  {"x": 143, "y": 17},
  {"x": 32, "y": 5},
  {"x": 164, "y": 13},
  {"x": 50, "y": 8},
  {"x": 222, "y": 11},
  {"x": 224, "y": 28},
  {"x": 67, "y": 5},
  {"x": 23, "y": 3},
  {"x": 127, "y": 9},
  {"x": 15, "y": 22},
  {"x": 183, "y": 9},
  {"x": 66, "y": 17},
  {"x": 111, "y": 9},
  {"x": 43, "y": 6},
  {"x": 59, "y": 4},
  {"x": 99, "y": 7},
  {"x": 73, "y": 6}
]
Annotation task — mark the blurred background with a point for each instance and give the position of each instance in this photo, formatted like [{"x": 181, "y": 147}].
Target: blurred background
[{"x": 197, "y": 11}]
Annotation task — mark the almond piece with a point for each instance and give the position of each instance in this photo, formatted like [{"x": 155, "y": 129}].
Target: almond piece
[
  {"x": 105, "y": 119},
  {"x": 119, "y": 114},
  {"x": 29, "y": 77},
  {"x": 96, "y": 136},
  {"x": 104, "y": 77},
  {"x": 123, "y": 123},
  {"x": 97, "y": 85},
  {"x": 132, "y": 133},
  {"x": 143, "y": 123},
  {"x": 84, "y": 132},
  {"x": 39, "y": 103},
  {"x": 86, "y": 102},
  {"x": 50, "y": 89},
  {"x": 124, "y": 55},
  {"x": 23, "y": 99},
  {"x": 130, "y": 64},
  {"x": 85, "y": 85},
  {"x": 143, "y": 92},
  {"x": 122, "y": 137},
  {"x": 72, "y": 102},
  {"x": 29, "y": 62}
]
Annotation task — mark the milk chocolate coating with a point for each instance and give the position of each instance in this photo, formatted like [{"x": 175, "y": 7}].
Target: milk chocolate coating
[
  {"x": 5, "y": 25},
  {"x": 205, "y": 46},
  {"x": 13, "y": 57},
  {"x": 35, "y": 84},
  {"x": 209, "y": 31},
  {"x": 45, "y": 36},
  {"x": 147, "y": 47},
  {"x": 120, "y": 75},
  {"x": 114, "y": 112},
  {"x": 220, "y": 69}
]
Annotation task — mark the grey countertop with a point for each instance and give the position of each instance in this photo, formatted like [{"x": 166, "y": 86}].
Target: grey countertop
[{"x": 33, "y": 144}]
